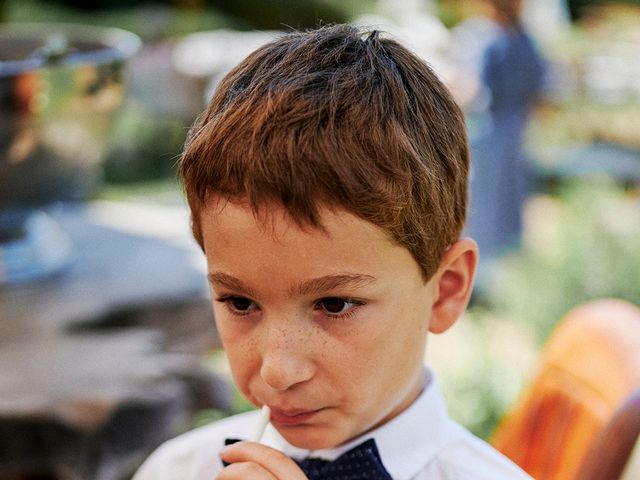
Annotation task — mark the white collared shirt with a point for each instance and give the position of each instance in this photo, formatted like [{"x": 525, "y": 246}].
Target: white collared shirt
[{"x": 422, "y": 443}]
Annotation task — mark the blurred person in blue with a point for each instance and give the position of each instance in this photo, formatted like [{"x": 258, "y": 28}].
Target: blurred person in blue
[{"x": 511, "y": 75}]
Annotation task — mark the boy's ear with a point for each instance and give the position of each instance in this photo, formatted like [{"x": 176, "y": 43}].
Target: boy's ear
[{"x": 453, "y": 283}]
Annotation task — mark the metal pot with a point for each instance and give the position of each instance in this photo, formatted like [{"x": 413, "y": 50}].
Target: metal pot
[{"x": 59, "y": 86}]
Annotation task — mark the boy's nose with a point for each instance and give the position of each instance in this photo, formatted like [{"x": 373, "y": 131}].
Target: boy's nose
[{"x": 286, "y": 358}]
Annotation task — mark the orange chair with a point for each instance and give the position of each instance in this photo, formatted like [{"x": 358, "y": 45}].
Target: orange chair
[{"x": 588, "y": 368}]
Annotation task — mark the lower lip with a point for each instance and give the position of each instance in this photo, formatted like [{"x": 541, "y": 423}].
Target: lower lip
[{"x": 280, "y": 418}]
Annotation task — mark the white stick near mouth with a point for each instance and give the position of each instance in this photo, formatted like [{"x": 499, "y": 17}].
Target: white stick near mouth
[{"x": 265, "y": 414}]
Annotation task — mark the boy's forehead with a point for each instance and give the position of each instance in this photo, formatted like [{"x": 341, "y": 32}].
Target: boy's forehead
[
  {"x": 270, "y": 216},
  {"x": 273, "y": 219},
  {"x": 236, "y": 238}
]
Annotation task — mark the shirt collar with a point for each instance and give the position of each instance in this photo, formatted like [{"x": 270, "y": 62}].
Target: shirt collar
[{"x": 404, "y": 449}]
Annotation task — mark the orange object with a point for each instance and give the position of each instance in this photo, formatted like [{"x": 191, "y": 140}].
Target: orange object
[
  {"x": 612, "y": 448},
  {"x": 588, "y": 368}
]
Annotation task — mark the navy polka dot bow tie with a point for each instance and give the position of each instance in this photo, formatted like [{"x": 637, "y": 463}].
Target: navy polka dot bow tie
[{"x": 362, "y": 462}]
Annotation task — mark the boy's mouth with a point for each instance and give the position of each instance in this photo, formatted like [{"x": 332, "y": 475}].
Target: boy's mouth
[{"x": 292, "y": 417}]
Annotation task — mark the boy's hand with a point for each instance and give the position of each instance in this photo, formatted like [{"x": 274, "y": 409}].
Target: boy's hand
[{"x": 259, "y": 462}]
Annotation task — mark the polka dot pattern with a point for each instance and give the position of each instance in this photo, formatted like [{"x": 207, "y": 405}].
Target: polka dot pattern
[{"x": 360, "y": 463}]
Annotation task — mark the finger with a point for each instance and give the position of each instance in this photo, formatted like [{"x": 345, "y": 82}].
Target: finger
[
  {"x": 243, "y": 471},
  {"x": 274, "y": 461}
]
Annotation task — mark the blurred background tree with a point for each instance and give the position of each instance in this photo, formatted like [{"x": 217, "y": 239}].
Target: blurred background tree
[
  {"x": 263, "y": 14},
  {"x": 577, "y": 8}
]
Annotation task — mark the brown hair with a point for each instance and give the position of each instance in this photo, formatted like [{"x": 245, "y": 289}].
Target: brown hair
[
  {"x": 339, "y": 118},
  {"x": 507, "y": 12}
]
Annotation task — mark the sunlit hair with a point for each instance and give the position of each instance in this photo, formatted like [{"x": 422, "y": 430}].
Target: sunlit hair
[
  {"x": 338, "y": 118},
  {"x": 508, "y": 11}
]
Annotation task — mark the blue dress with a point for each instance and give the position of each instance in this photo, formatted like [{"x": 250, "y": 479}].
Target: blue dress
[{"x": 512, "y": 72}]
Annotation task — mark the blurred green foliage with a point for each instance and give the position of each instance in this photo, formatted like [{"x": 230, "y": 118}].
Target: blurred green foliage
[
  {"x": 587, "y": 247},
  {"x": 150, "y": 21},
  {"x": 482, "y": 366},
  {"x": 279, "y": 14},
  {"x": 144, "y": 146},
  {"x": 582, "y": 243},
  {"x": 577, "y": 8},
  {"x": 452, "y": 12},
  {"x": 163, "y": 18}
]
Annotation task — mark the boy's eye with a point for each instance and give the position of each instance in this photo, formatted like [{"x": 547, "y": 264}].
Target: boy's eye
[
  {"x": 240, "y": 305},
  {"x": 337, "y": 305}
]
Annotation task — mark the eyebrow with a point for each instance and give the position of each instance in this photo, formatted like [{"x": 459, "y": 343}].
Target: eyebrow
[
  {"x": 313, "y": 286},
  {"x": 332, "y": 282},
  {"x": 230, "y": 282}
]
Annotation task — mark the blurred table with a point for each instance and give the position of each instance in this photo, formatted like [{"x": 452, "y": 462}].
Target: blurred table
[{"x": 100, "y": 364}]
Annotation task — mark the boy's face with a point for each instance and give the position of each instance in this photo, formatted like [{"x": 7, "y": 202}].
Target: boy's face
[{"x": 328, "y": 328}]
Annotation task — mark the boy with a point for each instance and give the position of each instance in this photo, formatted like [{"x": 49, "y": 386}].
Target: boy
[{"x": 327, "y": 185}]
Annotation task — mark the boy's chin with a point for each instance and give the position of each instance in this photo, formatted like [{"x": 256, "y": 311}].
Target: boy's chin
[{"x": 312, "y": 437}]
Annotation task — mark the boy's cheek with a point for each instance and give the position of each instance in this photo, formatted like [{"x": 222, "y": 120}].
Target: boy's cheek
[{"x": 242, "y": 373}]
